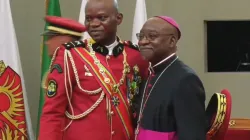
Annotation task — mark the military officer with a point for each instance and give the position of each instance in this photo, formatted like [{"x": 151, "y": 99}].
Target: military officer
[{"x": 92, "y": 82}]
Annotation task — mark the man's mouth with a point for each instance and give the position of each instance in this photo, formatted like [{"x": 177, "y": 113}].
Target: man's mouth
[
  {"x": 145, "y": 48},
  {"x": 95, "y": 31}
]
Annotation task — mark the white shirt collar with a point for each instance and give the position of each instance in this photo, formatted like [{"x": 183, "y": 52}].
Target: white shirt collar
[
  {"x": 111, "y": 47},
  {"x": 164, "y": 60}
]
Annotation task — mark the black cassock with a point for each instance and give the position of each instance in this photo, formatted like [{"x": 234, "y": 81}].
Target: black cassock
[{"x": 175, "y": 104}]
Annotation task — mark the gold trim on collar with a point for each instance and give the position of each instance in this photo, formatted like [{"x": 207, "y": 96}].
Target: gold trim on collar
[
  {"x": 220, "y": 114},
  {"x": 64, "y": 31}
]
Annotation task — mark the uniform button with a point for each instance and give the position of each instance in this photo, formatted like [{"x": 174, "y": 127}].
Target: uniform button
[
  {"x": 107, "y": 57},
  {"x": 113, "y": 132},
  {"x": 112, "y": 112}
]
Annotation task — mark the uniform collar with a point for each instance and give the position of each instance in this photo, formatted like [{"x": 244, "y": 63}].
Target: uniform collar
[{"x": 116, "y": 48}]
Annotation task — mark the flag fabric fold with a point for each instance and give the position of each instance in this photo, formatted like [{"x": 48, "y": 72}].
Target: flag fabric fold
[
  {"x": 15, "y": 121},
  {"x": 52, "y": 8},
  {"x": 140, "y": 18},
  {"x": 82, "y": 17}
]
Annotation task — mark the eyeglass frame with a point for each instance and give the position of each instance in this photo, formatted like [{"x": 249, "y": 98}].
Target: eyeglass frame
[{"x": 150, "y": 38}]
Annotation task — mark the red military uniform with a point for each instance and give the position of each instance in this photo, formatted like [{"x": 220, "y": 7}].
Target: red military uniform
[{"x": 78, "y": 106}]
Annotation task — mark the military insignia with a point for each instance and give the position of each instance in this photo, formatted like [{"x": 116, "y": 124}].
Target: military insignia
[
  {"x": 115, "y": 88},
  {"x": 74, "y": 44},
  {"x": 52, "y": 88},
  {"x": 131, "y": 45},
  {"x": 88, "y": 74},
  {"x": 133, "y": 84},
  {"x": 56, "y": 67},
  {"x": 118, "y": 49},
  {"x": 115, "y": 101},
  {"x": 127, "y": 69},
  {"x": 100, "y": 49},
  {"x": 128, "y": 87}
]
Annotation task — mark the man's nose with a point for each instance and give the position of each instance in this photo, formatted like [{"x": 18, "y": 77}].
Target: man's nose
[
  {"x": 95, "y": 23},
  {"x": 143, "y": 41}
]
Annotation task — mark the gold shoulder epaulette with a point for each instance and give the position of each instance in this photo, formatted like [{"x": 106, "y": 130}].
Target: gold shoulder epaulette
[{"x": 74, "y": 44}]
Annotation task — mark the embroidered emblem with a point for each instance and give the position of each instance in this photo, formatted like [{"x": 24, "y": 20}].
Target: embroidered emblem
[
  {"x": 56, "y": 67},
  {"x": 52, "y": 88},
  {"x": 115, "y": 101}
]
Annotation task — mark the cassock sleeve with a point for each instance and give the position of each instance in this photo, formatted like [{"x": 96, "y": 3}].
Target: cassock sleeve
[
  {"x": 53, "y": 114},
  {"x": 189, "y": 109}
]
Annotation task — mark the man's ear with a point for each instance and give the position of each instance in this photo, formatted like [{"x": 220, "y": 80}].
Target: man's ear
[
  {"x": 173, "y": 41},
  {"x": 119, "y": 18}
]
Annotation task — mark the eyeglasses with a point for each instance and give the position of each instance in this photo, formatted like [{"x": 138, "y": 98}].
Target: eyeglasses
[{"x": 150, "y": 36}]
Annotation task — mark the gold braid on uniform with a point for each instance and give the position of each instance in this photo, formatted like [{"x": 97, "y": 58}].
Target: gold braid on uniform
[
  {"x": 93, "y": 92},
  {"x": 45, "y": 77},
  {"x": 219, "y": 100},
  {"x": 67, "y": 55}
]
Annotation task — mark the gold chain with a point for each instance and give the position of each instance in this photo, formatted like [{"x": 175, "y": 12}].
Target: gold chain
[{"x": 126, "y": 68}]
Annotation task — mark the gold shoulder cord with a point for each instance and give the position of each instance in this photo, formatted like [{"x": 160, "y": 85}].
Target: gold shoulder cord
[
  {"x": 45, "y": 77},
  {"x": 220, "y": 115},
  {"x": 93, "y": 92}
]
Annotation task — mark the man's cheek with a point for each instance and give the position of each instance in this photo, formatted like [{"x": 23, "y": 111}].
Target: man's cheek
[{"x": 147, "y": 54}]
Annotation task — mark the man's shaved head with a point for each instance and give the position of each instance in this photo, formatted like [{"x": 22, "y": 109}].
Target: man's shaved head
[{"x": 114, "y": 3}]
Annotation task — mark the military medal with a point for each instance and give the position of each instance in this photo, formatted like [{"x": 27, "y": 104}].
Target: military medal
[{"x": 115, "y": 101}]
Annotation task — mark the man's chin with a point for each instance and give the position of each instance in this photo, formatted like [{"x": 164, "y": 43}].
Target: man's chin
[
  {"x": 146, "y": 56},
  {"x": 97, "y": 38}
]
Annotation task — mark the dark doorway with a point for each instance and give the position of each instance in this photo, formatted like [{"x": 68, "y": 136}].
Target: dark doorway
[{"x": 228, "y": 46}]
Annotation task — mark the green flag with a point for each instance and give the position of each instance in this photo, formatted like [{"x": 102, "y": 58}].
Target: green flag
[{"x": 52, "y": 9}]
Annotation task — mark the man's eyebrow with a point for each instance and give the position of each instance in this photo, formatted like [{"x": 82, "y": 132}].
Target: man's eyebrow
[{"x": 149, "y": 31}]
